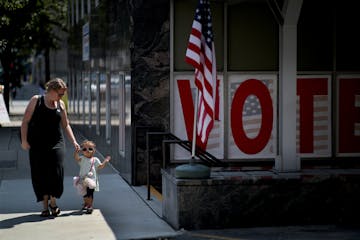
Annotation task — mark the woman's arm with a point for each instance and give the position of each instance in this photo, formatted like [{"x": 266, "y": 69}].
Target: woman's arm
[
  {"x": 66, "y": 126},
  {"x": 25, "y": 122}
]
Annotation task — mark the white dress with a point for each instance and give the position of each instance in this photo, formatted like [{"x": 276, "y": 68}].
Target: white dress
[{"x": 89, "y": 165}]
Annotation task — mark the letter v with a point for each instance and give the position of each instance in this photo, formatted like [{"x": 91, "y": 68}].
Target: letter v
[{"x": 187, "y": 104}]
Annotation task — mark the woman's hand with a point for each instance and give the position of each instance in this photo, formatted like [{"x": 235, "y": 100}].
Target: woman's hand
[
  {"x": 76, "y": 146},
  {"x": 25, "y": 145}
]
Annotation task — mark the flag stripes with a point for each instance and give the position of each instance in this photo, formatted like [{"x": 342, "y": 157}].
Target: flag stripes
[
  {"x": 200, "y": 54},
  {"x": 321, "y": 125}
]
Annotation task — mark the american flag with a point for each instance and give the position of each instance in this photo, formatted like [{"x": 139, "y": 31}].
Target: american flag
[{"x": 200, "y": 54}]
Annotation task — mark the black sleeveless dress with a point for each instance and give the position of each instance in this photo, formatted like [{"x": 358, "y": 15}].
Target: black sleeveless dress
[{"x": 46, "y": 152}]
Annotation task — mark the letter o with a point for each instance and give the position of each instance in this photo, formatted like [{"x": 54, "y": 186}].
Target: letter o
[{"x": 257, "y": 144}]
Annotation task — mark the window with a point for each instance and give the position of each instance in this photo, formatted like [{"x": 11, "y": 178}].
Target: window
[
  {"x": 184, "y": 11},
  {"x": 252, "y": 37}
]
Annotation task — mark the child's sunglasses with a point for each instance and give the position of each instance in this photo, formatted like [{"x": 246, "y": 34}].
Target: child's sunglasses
[{"x": 88, "y": 149}]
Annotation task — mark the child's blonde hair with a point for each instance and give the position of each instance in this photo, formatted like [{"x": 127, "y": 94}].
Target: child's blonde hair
[{"x": 88, "y": 142}]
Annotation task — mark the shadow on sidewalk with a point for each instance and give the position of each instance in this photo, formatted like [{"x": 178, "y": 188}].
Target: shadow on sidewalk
[{"x": 12, "y": 222}]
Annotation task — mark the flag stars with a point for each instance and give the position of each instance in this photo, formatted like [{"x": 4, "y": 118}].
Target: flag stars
[{"x": 251, "y": 106}]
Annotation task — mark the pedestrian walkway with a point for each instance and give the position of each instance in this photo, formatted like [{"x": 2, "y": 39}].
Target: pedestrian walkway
[{"x": 120, "y": 213}]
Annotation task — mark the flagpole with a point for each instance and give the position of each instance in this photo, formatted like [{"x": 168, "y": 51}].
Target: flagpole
[
  {"x": 194, "y": 127},
  {"x": 193, "y": 170},
  {"x": 200, "y": 43}
]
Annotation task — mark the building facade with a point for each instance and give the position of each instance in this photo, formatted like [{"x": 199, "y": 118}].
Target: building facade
[{"x": 289, "y": 81}]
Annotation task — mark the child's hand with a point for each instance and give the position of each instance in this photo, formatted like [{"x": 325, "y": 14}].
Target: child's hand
[
  {"x": 103, "y": 164},
  {"x": 107, "y": 159}
]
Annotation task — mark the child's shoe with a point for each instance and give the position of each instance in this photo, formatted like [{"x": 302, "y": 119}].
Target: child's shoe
[{"x": 89, "y": 210}]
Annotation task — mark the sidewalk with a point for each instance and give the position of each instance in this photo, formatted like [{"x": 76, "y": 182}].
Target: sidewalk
[{"x": 120, "y": 213}]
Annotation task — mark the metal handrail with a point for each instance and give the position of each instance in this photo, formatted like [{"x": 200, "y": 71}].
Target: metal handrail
[
  {"x": 203, "y": 156},
  {"x": 148, "y": 159}
]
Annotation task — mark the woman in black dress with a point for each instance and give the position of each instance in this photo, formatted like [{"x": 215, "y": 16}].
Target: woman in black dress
[{"x": 42, "y": 135}]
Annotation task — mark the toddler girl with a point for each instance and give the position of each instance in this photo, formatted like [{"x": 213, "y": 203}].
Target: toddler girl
[{"x": 88, "y": 169}]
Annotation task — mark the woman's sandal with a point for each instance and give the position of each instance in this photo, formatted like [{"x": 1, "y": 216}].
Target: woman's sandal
[
  {"x": 55, "y": 211},
  {"x": 45, "y": 213}
]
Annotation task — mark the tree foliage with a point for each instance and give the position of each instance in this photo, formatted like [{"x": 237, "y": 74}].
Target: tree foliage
[{"x": 27, "y": 27}]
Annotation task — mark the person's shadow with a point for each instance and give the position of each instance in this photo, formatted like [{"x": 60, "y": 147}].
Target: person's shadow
[{"x": 12, "y": 222}]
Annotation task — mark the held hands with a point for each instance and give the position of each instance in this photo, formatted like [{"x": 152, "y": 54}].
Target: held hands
[{"x": 76, "y": 146}]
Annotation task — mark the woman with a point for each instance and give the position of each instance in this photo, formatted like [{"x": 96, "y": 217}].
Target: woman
[{"x": 41, "y": 134}]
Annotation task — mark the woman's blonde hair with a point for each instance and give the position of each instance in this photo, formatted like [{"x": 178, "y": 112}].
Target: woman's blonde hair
[{"x": 55, "y": 84}]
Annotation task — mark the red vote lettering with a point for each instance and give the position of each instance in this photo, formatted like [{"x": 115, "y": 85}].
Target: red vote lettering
[
  {"x": 307, "y": 89},
  {"x": 349, "y": 114},
  {"x": 247, "y": 88},
  {"x": 187, "y": 105}
]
